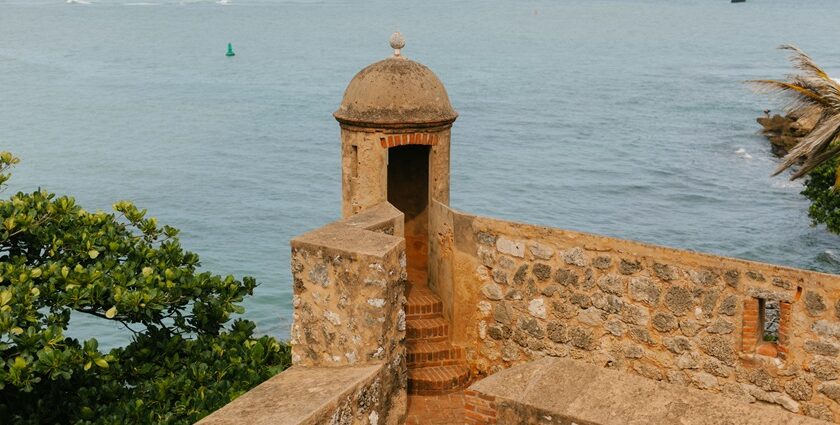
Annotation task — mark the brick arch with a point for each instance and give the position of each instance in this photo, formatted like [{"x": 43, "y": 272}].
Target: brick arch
[{"x": 392, "y": 140}]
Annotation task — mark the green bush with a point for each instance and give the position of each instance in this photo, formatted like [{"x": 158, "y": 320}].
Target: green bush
[
  {"x": 184, "y": 360},
  {"x": 825, "y": 198}
]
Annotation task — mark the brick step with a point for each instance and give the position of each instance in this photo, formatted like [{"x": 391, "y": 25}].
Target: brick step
[
  {"x": 423, "y": 303},
  {"x": 438, "y": 380},
  {"x": 431, "y": 330},
  {"x": 426, "y": 354}
]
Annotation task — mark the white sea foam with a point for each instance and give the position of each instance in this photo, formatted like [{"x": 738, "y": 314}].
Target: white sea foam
[
  {"x": 743, "y": 153},
  {"x": 77, "y": 2},
  {"x": 223, "y": 2}
]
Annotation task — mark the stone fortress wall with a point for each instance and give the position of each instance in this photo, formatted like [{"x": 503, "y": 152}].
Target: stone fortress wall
[
  {"x": 406, "y": 294},
  {"x": 520, "y": 292},
  {"x": 348, "y": 353}
]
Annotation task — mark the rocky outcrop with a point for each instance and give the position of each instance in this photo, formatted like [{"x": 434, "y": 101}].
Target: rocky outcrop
[{"x": 784, "y": 132}]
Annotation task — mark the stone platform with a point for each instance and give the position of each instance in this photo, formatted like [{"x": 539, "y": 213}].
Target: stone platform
[{"x": 563, "y": 392}]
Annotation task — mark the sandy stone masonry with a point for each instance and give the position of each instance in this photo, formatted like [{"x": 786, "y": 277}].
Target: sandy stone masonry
[{"x": 525, "y": 292}]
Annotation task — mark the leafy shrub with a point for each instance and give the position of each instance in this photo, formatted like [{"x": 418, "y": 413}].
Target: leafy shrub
[
  {"x": 184, "y": 360},
  {"x": 820, "y": 189}
]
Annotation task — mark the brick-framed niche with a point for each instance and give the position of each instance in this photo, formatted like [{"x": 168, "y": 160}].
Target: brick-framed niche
[{"x": 752, "y": 329}]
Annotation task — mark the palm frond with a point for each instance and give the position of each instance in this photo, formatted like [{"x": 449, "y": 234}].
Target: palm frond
[
  {"x": 802, "y": 61},
  {"x": 809, "y": 93}
]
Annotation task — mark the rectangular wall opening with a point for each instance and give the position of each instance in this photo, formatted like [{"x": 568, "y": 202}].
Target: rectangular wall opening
[
  {"x": 408, "y": 191},
  {"x": 769, "y": 320}
]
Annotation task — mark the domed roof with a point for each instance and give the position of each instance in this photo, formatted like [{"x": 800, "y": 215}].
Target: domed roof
[{"x": 395, "y": 93}]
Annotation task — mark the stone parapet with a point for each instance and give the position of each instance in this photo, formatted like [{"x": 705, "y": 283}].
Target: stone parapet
[
  {"x": 349, "y": 286},
  {"x": 520, "y": 292},
  {"x": 318, "y": 395},
  {"x": 564, "y": 392}
]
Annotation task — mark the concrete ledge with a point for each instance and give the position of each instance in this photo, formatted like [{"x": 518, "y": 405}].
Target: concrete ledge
[
  {"x": 311, "y": 395},
  {"x": 562, "y": 391}
]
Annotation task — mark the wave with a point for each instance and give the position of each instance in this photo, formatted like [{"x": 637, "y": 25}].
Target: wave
[
  {"x": 77, "y": 2},
  {"x": 743, "y": 153}
]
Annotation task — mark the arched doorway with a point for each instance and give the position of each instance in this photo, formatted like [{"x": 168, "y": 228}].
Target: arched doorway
[{"x": 408, "y": 191}]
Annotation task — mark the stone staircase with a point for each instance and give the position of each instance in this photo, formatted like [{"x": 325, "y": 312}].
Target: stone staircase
[{"x": 435, "y": 366}]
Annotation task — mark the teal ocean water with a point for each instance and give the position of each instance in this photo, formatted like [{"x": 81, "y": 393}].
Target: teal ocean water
[{"x": 620, "y": 117}]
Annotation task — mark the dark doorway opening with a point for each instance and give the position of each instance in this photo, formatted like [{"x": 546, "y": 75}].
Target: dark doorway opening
[{"x": 408, "y": 191}]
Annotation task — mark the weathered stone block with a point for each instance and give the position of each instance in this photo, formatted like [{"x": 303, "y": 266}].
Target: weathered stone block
[
  {"x": 541, "y": 251},
  {"x": 499, "y": 276},
  {"x": 822, "y": 348},
  {"x": 717, "y": 368},
  {"x": 665, "y": 271},
  {"x": 824, "y": 368},
  {"x": 830, "y": 390},
  {"x": 582, "y": 338},
  {"x": 818, "y": 411},
  {"x": 532, "y": 326},
  {"x": 633, "y": 314},
  {"x": 688, "y": 360},
  {"x": 678, "y": 300},
  {"x": 566, "y": 277},
  {"x": 664, "y": 322},
  {"x": 591, "y": 317},
  {"x": 602, "y": 262},
  {"x": 633, "y": 351},
  {"x": 641, "y": 335},
  {"x": 719, "y": 347},
  {"x": 575, "y": 256},
  {"x": 611, "y": 284},
  {"x": 564, "y": 310},
  {"x": 644, "y": 290},
  {"x": 732, "y": 277},
  {"x": 512, "y": 247},
  {"x": 502, "y": 314},
  {"x": 492, "y": 291},
  {"x": 799, "y": 389},
  {"x": 520, "y": 275},
  {"x": 729, "y": 305},
  {"x": 581, "y": 300},
  {"x": 558, "y": 332},
  {"x": 814, "y": 303},
  {"x": 550, "y": 290},
  {"x": 485, "y": 238},
  {"x": 607, "y": 302},
  {"x": 628, "y": 267},
  {"x": 721, "y": 326},
  {"x": 542, "y": 271},
  {"x": 677, "y": 344},
  {"x": 537, "y": 308},
  {"x": 703, "y": 277},
  {"x": 499, "y": 332}
]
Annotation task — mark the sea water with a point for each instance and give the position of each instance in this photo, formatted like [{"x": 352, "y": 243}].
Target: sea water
[{"x": 618, "y": 117}]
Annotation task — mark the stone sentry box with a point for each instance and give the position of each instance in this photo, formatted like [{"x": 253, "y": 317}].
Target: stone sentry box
[{"x": 396, "y": 122}]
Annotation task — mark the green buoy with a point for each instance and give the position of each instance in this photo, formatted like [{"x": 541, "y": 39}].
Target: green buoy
[{"x": 230, "y": 51}]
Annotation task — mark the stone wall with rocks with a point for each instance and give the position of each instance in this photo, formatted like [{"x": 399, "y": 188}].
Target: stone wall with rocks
[
  {"x": 349, "y": 291},
  {"x": 520, "y": 292}
]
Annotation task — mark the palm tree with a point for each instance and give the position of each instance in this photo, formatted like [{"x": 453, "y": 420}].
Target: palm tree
[{"x": 808, "y": 93}]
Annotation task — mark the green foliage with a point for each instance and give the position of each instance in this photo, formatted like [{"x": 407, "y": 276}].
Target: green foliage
[
  {"x": 185, "y": 358},
  {"x": 825, "y": 197}
]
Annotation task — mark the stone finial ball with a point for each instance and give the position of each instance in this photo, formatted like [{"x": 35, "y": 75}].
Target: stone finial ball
[{"x": 397, "y": 41}]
